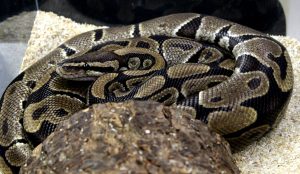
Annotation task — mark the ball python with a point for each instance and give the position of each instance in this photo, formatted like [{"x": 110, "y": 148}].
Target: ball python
[{"x": 235, "y": 79}]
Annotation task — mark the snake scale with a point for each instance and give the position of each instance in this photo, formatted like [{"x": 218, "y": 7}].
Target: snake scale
[{"x": 235, "y": 79}]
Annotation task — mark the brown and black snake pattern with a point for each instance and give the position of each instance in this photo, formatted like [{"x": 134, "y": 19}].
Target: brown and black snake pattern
[{"x": 235, "y": 79}]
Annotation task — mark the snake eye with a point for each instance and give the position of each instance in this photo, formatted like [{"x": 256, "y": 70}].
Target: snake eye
[{"x": 134, "y": 63}]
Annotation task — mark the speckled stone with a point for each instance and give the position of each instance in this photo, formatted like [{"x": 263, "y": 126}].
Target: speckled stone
[{"x": 132, "y": 137}]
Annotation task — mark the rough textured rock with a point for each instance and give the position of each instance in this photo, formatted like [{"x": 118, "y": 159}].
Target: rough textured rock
[{"x": 132, "y": 137}]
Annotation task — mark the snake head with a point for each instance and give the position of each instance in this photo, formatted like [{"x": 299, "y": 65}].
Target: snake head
[{"x": 89, "y": 66}]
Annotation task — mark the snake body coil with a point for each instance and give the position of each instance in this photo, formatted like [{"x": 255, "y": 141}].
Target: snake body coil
[{"x": 235, "y": 79}]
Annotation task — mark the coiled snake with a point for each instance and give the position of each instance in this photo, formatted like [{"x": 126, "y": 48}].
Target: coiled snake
[{"x": 235, "y": 79}]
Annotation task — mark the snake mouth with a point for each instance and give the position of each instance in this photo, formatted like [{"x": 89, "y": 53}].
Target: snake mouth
[
  {"x": 83, "y": 72},
  {"x": 74, "y": 74},
  {"x": 74, "y": 78},
  {"x": 89, "y": 66}
]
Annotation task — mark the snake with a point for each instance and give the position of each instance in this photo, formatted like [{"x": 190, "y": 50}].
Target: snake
[{"x": 233, "y": 78}]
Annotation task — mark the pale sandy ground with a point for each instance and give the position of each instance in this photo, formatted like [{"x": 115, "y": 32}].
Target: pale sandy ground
[{"x": 278, "y": 152}]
